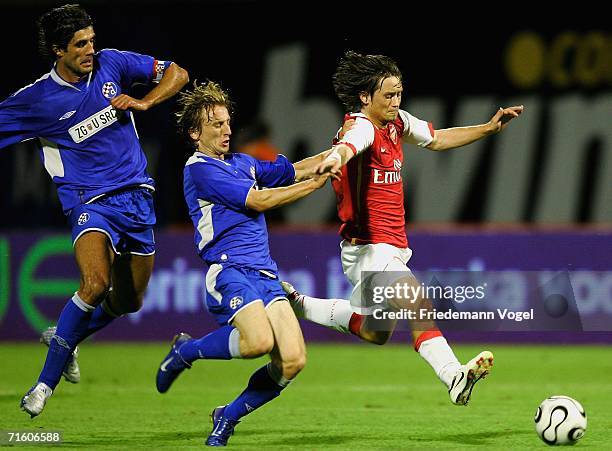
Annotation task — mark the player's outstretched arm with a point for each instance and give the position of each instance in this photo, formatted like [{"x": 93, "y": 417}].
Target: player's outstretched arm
[
  {"x": 304, "y": 169},
  {"x": 266, "y": 199},
  {"x": 449, "y": 138},
  {"x": 340, "y": 155},
  {"x": 174, "y": 78},
  {"x": 311, "y": 165}
]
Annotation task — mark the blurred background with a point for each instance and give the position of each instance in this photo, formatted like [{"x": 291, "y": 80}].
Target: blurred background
[{"x": 536, "y": 197}]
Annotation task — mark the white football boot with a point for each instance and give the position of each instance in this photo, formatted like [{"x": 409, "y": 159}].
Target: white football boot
[
  {"x": 467, "y": 376},
  {"x": 35, "y": 399}
]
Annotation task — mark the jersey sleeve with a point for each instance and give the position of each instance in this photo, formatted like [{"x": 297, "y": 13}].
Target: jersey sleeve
[
  {"x": 273, "y": 174},
  {"x": 416, "y": 131},
  {"x": 17, "y": 123},
  {"x": 138, "y": 68},
  {"x": 215, "y": 185},
  {"x": 360, "y": 137}
]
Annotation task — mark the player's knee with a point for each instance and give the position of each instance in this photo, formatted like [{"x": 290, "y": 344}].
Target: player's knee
[
  {"x": 293, "y": 365},
  {"x": 94, "y": 288}
]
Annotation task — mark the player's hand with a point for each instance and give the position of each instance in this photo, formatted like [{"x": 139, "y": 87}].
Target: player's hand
[
  {"x": 503, "y": 116},
  {"x": 319, "y": 180},
  {"x": 124, "y": 102},
  {"x": 328, "y": 167},
  {"x": 331, "y": 165},
  {"x": 345, "y": 128},
  {"x": 313, "y": 173}
]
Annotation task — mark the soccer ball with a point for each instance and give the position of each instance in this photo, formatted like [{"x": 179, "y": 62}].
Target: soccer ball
[{"x": 560, "y": 420}]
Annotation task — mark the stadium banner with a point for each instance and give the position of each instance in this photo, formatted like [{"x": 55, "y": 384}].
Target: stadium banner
[{"x": 564, "y": 274}]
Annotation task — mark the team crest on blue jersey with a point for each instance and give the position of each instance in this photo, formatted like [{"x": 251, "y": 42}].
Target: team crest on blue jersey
[
  {"x": 109, "y": 90},
  {"x": 235, "y": 302},
  {"x": 158, "y": 70},
  {"x": 83, "y": 218}
]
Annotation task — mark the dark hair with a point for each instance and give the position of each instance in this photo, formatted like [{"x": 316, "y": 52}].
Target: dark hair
[
  {"x": 358, "y": 73},
  {"x": 198, "y": 103},
  {"x": 57, "y": 27}
]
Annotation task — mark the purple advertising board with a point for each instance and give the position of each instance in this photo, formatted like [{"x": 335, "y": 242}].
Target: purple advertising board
[{"x": 38, "y": 274}]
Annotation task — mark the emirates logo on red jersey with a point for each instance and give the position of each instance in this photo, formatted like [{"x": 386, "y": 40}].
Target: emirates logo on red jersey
[
  {"x": 381, "y": 177},
  {"x": 393, "y": 133}
]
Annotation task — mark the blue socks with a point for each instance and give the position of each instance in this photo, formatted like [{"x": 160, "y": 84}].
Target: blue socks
[
  {"x": 222, "y": 344},
  {"x": 71, "y": 327},
  {"x": 264, "y": 385},
  {"x": 100, "y": 318}
]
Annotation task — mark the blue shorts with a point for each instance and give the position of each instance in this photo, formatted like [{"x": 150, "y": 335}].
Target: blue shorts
[
  {"x": 127, "y": 217},
  {"x": 230, "y": 289}
]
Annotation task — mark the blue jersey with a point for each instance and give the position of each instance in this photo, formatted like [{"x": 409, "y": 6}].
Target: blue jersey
[
  {"x": 226, "y": 231},
  {"x": 87, "y": 146}
]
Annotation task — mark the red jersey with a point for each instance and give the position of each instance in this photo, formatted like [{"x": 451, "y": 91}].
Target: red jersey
[{"x": 370, "y": 195}]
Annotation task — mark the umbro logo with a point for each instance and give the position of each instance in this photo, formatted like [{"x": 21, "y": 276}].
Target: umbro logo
[
  {"x": 67, "y": 115},
  {"x": 383, "y": 150}
]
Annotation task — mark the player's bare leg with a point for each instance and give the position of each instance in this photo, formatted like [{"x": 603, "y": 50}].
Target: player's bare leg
[
  {"x": 376, "y": 331},
  {"x": 427, "y": 339},
  {"x": 256, "y": 335},
  {"x": 227, "y": 342},
  {"x": 94, "y": 262},
  {"x": 431, "y": 344},
  {"x": 130, "y": 277},
  {"x": 379, "y": 331},
  {"x": 288, "y": 359},
  {"x": 249, "y": 336},
  {"x": 433, "y": 347},
  {"x": 94, "y": 258},
  {"x": 289, "y": 353}
]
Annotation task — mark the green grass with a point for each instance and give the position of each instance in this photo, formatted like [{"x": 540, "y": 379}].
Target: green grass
[{"x": 348, "y": 397}]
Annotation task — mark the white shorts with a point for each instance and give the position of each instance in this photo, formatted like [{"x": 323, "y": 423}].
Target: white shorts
[{"x": 379, "y": 257}]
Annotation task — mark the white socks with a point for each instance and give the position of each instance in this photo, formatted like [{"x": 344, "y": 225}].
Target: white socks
[
  {"x": 440, "y": 356},
  {"x": 234, "y": 344},
  {"x": 333, "y": 313}
]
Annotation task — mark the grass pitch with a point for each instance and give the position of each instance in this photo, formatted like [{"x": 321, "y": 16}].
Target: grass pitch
[{"x": 348, "y": 397}]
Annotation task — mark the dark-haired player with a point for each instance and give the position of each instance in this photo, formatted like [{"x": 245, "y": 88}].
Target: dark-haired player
[{"x": 81, "y": 115}]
